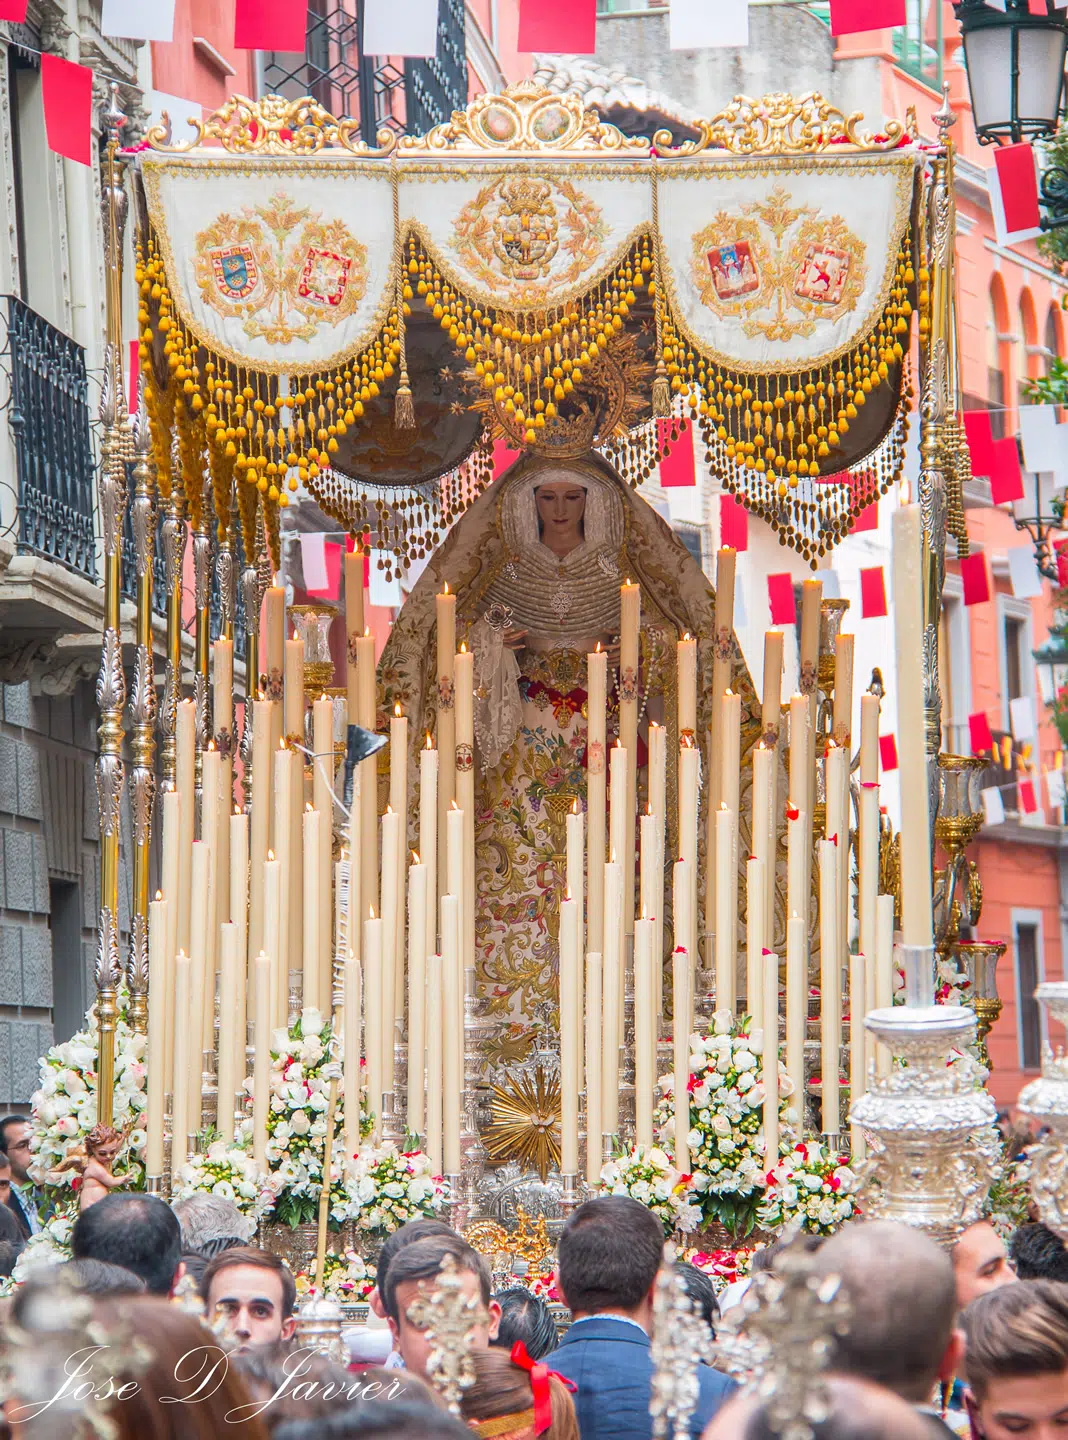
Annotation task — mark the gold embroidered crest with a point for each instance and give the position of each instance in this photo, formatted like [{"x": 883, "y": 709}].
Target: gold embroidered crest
[
  {"x": 281, "y": 269},
  {"x": 778, "y": 268}
]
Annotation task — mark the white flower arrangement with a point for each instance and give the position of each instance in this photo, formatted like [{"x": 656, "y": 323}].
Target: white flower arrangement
[
  {"x": 387, "y": 1187},
  {"x": 229, "y": 1171},
  {"x": 50, "y": 1246},
  {"x": 646, "y": 1174},
  {"x": 726, "y": 1137},
  {"x": 809, "y": 1189},
  {"x": 64, "y": 1105},
  {"x": 347, "y": 1278}
]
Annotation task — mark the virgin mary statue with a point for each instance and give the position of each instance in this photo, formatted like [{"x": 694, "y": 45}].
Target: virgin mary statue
[{"x": 536, "y": 565}]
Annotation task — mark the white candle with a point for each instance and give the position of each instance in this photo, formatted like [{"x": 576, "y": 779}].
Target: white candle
[
  {"x": 686, "y": 662},
  {"x": 658, "y": 806},
  {"x": 569, "y": 1037},
  {"x": 836, "y": 773},
  {"x": 454, "y": 867},
  {"x": 294, "y": 691},
  {"x": 764, "y": 760},
  {"x": 916, "y": 918},
  {"x": 575, "y": 850},
  {"x": 159, "y": 1019},
  {"x": 857, "y": 1045},
  {"x": 868, "y": 866},
  {"x": 594, "y": 1062},
  {"x": 351, "y": 1044},
  {"x": 313, "y": 995},
  {"x": 771, "y": 1059},
  {"x": 259, "y": 822},
  {"x": 596, "y": 761},
  {"x": 272, "y": 940},
  {"x": 726, "y": 913},
  {"x": 398, "y": 803},
  {"x": 274, "y": 630},
  {"x": 869, "y": 738},
  {"x": 417, "y": 929},
  {"x": 811, "y": 601},
  {"x": 617, "y": 814},
  {"x": 287, "y": 879},
  {"x": 183, "y": 1050},
  {"x": 171, "y": 823},
  {"x": 367, "y": 804},
  {"x": 651, "y": 876},
  {"x": 729, "y": 739},
  {"x": 372, "y": 990},
  {"x": 682, "y": 996},
  {"x": 428, "y": 838},
  {"x": 465, "y": 796},
  {"x": 842, "y": 716},
  {"x": 772, "y": 686},
  {"x": 722, "y": 651},
  {"x": 261, "y": 1074},
  {"x": 754, "y": 939},
  {"x": 185, "y": 761},
  {"x": 354, "y": 622},
  {"x": 210, "y": 816},
  {"x": 231, "y": 1041},
  {"x": 830, "y": 986},
  {"x": 452, "y": 1006},
  {"x": 202, "y": 1009},
  {"x": 884, "y": 970},
  {"x": 796, "y": 1010},
  {"x": 689, "y": 791},
  {"x": 611, "y": 992},
  {"x": 391, "y": 960},
  {"x": 239, "y": 879},
  {"x": 434, "y": 1060},
  {"x": 323, "y": 801},
  {"x": 630, "y": 597},
  {"x": 222, "y": 660},
  {"x": 445, "y": 605},
  {"x": 644, "y": 1031}
]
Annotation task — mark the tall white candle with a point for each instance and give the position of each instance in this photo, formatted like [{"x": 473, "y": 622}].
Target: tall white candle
[
  {"x": 272, "y": 939},
  {"x": 445, "y": 605},
  {"x": 452, "y": 1005},
  {"x": 811, "y": 601},
  {"x": 569, "y": 1038},
  {"x": 283, "y": 832},
  {"x": 239, "y": 878},
  {"x": 594, "y": 1008},
  {"x": 274, "y": 634},
  {"x": 868, "y": 866},
  {"x": 771, "y": 1058},
  {"x": 689, "y": 790},
  {"x": 294, "y": 691},
  {"x": 231, "y": 1042},
  {"x": 261, "y": 1073},
  {"x": 884, "y": 970},
  {"x": 312, "y": 970},
  {"x": 184, "y": 1038},
  {"x": 796, "y": 1010},
  {"x": 465, "y": 795},
  {"x": 722, "y": 650},
  {"x": 916, "y": 917},
  {"x": 658, "y": 805},
  {"x": 596, "y": 779},
  {"x": 857, "y": 1042},
  {"x": 830, "y": 986},
  {"x": 171, "y": 824},
  {"x": 391, "y": 960},
  {"x": 367, "y": 803},
  {"x": 771, "y": 701},
  {"x": 617, "y": 814},
  {"x": 222, "y": 666},
  {"x": 726, "y": 911},
  {"x": 185, "y": 761},
  {"x": 629, "y": 659},
  {"x": 837, "y": 786},
  {"x": 842, "y": 715},
  {"x": 644, "y": 1031},
  {"x": 575, "y": 853},
  {"x": 202, "y": 1010},
  {"x": 351, "y": 1043},
  {"x": 398, "y": 803},
  {"x": 754, "y": 939},
  {"x": 323, "y": 801},
  {"x": 373, "y": 1001},
  {"x": 210, "y": 816},
  {"x": 259, "y": 822},
  {"x": 686, "y": 662},
  {"x": 428, "y": 838},
  {"x": 417, "y": 929},
  {"x": 682, "y": 997},
  {"x": 611, "y": 991},
  {"x": 764, "y": 760},
  {"x": 869, "y": 738},
  {"x": 651, "y": 874},
  {"x": 354, "y": 622},
  {"x": 435, "y": 1034},
  {"x": 160, "y": 1001},
  {"x": 454, "y": 867}
]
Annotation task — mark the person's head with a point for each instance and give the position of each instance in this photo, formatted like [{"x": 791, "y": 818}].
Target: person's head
[
  {"x": 411, "y": 1278},
  {"x": 15, "y": 1133},
  {"x": 5, "y": 1179},
  {"x": 253, "y": 1293},
  {"x": 858, "y": 1411},
  {"x": 103, "y": 1143},
  {"x": 607, "y": 1258},
  {"x": 525, "y": 1317},
  {"x": 302, "y": 1385},
  {"x": 503, "y": 1390},
  {"x": 980, "y": 1262},
  {"x": 702, "y": 1293},
  {"x": 1016, "y": 1361},
  {"x": 139, "y": 1232},
  {"x": 401, "y": 1238},
  {"x": 561, "y": 505},
  {"x": 378, "y": 1420},
  {"x": 1038, "y": 1254},
  {"x": 100, "y": 1277},
  {"x": 211, "y": 1224},
  {"x": 900, "y": 1284}
]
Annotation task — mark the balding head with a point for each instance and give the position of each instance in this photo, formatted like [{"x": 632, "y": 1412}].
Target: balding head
[
  {"x": 900, "y": 1284},
  {"x": 859, "y": 1411}
]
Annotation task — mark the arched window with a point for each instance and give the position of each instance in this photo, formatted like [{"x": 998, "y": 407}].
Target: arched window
[
  {"x": 1033, "y": 359},
  {"x": 1052, "y": 339},
  {"x": 998, "y": 358}
]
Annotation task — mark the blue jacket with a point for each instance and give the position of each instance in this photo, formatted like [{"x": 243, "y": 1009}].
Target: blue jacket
[{"x": 611, "y": 1363}]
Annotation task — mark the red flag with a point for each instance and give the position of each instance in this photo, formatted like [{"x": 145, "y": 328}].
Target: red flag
[
  {"x": 14, "y": 10},
  {"x": 979, "y": 732},
  {"x": 976, "y": 576},
  {"x": 781, "y": 599},
  {"x": 271, "y": 25},
  {"x": 980, "y": 440},
  {"x": 887, "y": 752},
  {"x": 332, "y": 556},
  {"x": 677, "y": 469},
  {"x": 1028, "y": 803},
  {"x": 558, "y": 27},
  {"x": 1006, "y": 477},
  {"x": 872, "y": 593},
  {"x": 733, "y": 523},
  {"x": 850, "y": 17},
  {"x": 67, "y": 90},
  {"x": 1018, "y": 182},
  {"x": 1037, "y": 7}
]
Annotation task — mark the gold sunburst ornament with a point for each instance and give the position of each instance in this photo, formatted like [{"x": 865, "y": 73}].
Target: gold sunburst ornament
[{"x": 526, "y": 1122}]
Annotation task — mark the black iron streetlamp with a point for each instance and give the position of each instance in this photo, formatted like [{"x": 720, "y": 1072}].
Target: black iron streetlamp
[
  {"x": 1037, "y": 516},
  {"x": 1015, "y": 63}
]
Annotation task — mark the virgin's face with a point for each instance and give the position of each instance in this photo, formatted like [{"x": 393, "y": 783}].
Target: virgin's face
[{"x": 561, "y": 507}]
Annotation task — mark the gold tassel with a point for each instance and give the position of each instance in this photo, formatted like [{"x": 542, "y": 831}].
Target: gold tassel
[
  {"x": 403, "y": 405},
  {"x": 661, "y": 391},
  {"x": 661, "y": 384}
]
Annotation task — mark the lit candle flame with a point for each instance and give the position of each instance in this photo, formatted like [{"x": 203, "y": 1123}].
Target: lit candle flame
[
  {"x": 398, "y": 711},
  {"x": 237, "y": 810},
  {"x": 389, "y": 809},
  {"x": 454, "y": 805},
  {"x": 415, "y": 858},
  {"x": 211, "y": 744},
  {"x": 308, "y": 807},
  {"x": 597, "y": 648},
  {"x": 463, "y": 647},
  {"x": 904, "y": 493},
  {"x": 366, "y": 632},
  {"x": 159, "y": 894},
  {"x": 429, "y": 741},
  {"x": 574, "y": 806},
  {"x": 270, "y": 854},
  {"x": 446, "y": 590},
  {"x": 687, "y": 636},
  {"x": 371, "y": 912},
  {"x": 567, "y": 892}
]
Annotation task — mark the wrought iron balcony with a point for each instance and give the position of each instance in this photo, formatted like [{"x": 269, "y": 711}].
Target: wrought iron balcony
[
  {"x": 129, "y": 560},
  {"x": 49, "y": 419}
]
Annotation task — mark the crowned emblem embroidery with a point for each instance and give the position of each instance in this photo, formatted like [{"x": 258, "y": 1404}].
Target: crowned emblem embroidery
[
  {"x": 235, "y": 271},
  {"x": 734, "y": 270},
  {"x": 324, "y": 278}
]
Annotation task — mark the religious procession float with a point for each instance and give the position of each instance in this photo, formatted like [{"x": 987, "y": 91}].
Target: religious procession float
[{"x": 545, "y": 900}]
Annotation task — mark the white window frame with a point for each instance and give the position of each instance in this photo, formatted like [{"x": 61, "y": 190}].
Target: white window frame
[
  {"x": 959, "y": 632},
  {"x": 1009, "y": 608},
  {"x": 1029, "y": 917}
]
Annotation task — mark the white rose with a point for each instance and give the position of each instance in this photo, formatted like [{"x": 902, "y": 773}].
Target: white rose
[
  {"x": 640, "y": 1191},
  {"x": 279, "y": 1040},
  {"x": 299, "y": 1122},
  {"x": 811, "y": 1182},
  {"x": 311, "y": 1021},
  {"x": 312, "y": 1051},
  {"x": 721, "y": 1125},
  {"x": 746, "y": 1081},
  {"x": 744, "y": 1060},
  {"x": 700, "y": 1094},
  {"x": 693, "y": 1139},
  {"x": 723, "y": 1022},
  {"x": 657, "y": 1157},
  {"x": 223, "y": 1188},
  {"x": 68, "y": 1126},
  {"x": 727, "y": 1147},
  {"x": 715, "y": 1082},
  {"x": 318, "y": 1100},
  {"x": 756, "y": 1042},
  {"x": 724, "y": 1063},
  {"x": 47, "y": 1114}
]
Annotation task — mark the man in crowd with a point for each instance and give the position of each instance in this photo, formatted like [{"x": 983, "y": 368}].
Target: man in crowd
[
  {"x": 410, "y": 1278},
  {"x": 373, "y": 1346},
  {"x": 901, "y": 1288},
  {"x": 1038, "y": 1254},
  {"x": 980, "y": 1262},
  {"x": 210, "y": 1224},
  {"x": 1016, "y": 1362},
  {"x": 254, "y": 1294},
  {"x": 138, "y": 1232},
  {"x": 15, "y": 1133},
  {"x": 857, "y": 1409},
  {"x": 608, "y": 1256}
]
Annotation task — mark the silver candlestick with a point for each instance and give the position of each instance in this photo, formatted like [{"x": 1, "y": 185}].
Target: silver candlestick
[{"x": 1046, "y": 1101}]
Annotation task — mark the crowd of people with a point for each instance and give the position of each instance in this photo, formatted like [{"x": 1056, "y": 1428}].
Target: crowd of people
[{"x": 168, "y": 1324}]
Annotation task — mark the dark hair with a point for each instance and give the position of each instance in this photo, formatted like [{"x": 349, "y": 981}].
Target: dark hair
[
  {"x": 502, "y": 1390},
  {"x": 195, "y": 1264},
  {"x": 263, "y": 1260},
  {"x": 373, "y": 1420},
  {"x": 1037, "y": 1253},
  {"x": 101, "y": 1277},
  {"x": 525, "y": 1317},
  {"x": 421, "y": 1229},
  {"x": 857, "y": 1411},
  {"x": 139, "y": 1232},
  {"x": 11, "y": 1120},
  {"x": 765, "y": 1256},
  {"x": 423, "y": 1260},
  {"x": 608, "y": 1254},
  {"x": 1016, "y": 1331},
  {"x": 702, "y": 1293}
]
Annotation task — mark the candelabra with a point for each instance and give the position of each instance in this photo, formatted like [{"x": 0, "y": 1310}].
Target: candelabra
[
  {"x": 319, "y": 1323},
  {"x": 921, "y": 1117},
  {"x": 979, "y": 961},
  {"x": 1045, "y": 1101}
]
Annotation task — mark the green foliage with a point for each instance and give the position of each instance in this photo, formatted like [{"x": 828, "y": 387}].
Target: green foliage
[
  {"x": 1050, "y": 389},
  {"x": 1054, "y": 243}
]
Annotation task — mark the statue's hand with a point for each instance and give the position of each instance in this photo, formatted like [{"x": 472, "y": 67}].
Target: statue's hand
[{"x": 514, "y": 639}]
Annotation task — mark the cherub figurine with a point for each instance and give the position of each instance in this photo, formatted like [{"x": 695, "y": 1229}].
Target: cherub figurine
[{"x": 101, "y": 1149}]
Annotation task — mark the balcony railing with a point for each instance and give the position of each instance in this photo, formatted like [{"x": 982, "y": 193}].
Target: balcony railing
[{"x": 49, "y": 419}]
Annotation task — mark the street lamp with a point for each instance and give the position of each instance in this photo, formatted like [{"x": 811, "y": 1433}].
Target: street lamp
[
  {"x": 1015, "y": 62},
  {"x": 1051, "y": 657},
  {"x": 1036, "y": 515}
]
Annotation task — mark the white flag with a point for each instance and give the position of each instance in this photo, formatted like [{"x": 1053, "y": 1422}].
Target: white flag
[
  {"x": 139, "y": 19},
  {"x": 1038, "y": 435},
  {"x": 313, "y": 562},
  {"x": 708, "y": 24},
  {"x": 1023, "y": 572},
  {"x": 1022, "y": 717},
  {"x": 993, "y": 807},
  {"x": 401, "y": 27},
  {"x": 382, "y": 591},
  {"x": 1055, "y": 788}
]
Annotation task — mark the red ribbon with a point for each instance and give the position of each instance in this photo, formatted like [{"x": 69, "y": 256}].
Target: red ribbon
[{"x": 540, "y": 1376}]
